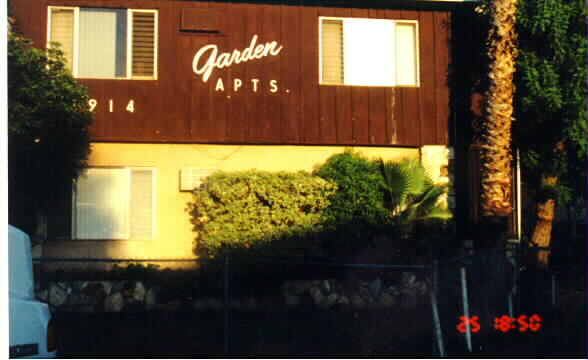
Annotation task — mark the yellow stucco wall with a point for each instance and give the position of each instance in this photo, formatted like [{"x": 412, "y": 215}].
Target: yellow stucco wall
[{"x": 173, "y": 234}]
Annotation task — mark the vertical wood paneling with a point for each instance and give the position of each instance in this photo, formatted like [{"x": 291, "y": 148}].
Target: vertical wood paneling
[
  {"x": 309, "y": 61},
  {"x": 442, "y": 46},
  {"x": 327, "y": 99},
  {"x": 256, "y": 102},
  {"x": 360, "y": 101},
  {"x": 427, "y": 108},
  {"x": 290, "y": 71},
  {"x": 201, "y": 96},
  {"x": 410, "y": 99},
  {"x": 343, "y": 110},
  {"x": 175, "y": 125},
  {"x": 179, "y": 107},
  {"x": 217, "y": 127},
  {"x": 377, "y": 95},
  {"x": 237, "y": 39},
  {"x": 270, "y": 31}
]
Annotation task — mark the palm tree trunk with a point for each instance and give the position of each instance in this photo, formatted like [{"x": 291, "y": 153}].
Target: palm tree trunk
[
  {"x": 542, "y": 231},
  {"x": 496, "y": 138}
]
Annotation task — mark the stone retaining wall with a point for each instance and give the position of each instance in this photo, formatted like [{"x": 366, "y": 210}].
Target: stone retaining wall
[{"x": 116, "y": 296}]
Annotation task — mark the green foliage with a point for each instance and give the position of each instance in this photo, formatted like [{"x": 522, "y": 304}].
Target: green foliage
[
  {"x": 48, "y": 121},
  {"x": 411, "y": 194},
  {"x": 251, "y": 209},
  {"x": 360, "y": 194},
  {"x": 550, "y": 127}
]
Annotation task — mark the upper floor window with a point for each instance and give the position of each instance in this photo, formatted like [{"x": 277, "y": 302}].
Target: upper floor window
[
  {"x": 106, "y": 43},
  {"x": 368, "y": 52}
]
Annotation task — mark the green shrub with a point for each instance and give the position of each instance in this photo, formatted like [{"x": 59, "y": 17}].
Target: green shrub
[
  {"x": 251, "y": 209},
  {"x": 360, "y": 194}
]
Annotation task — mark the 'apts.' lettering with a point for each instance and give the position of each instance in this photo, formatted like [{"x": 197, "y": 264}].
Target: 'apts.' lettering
[{"x": 206, "y": 67}]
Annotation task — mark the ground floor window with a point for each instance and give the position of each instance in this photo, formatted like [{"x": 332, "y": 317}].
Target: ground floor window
[{"x": 114, "y": 203}]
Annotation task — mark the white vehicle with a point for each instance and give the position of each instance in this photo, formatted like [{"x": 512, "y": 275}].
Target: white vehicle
[{"x": 32, "y": 334}]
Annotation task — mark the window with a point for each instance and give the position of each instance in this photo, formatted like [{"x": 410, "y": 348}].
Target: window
[
  {"x": 106, "y": 43},
  {"x": 114, "y": 203},
  {"x": 369, "y": 52}
]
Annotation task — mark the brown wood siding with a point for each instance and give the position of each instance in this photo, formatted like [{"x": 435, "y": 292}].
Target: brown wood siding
[{"x": 180, "y": 107}]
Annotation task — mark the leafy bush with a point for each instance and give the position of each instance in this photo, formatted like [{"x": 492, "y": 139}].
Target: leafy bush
[
  {"x": 360, "y": 194},
  {"x": 250, "y": 209}
]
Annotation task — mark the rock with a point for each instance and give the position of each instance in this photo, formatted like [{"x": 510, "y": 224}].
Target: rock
[
  {"x": 292, "y": 300},
  {"x": 117, "y": 286},
  {"x": 343, "y": 300},
  {"x": 139, "y": 292},
  {"x": 151, "y": 298},
  {"x": 375, "y": 287},
  {"x": 357, "y": 301},
  {"x": 80, "y": 299},
  {"x": 387, "y": 300},
  {"x": 58, "y": 294},
  {"x": 114, "y": 302},
  {"x": 408, "y": 279},
  {"x": 331, "y": 299},
  {"x": 107, "y": 286},
  {"x": 326, "y": 286},
  {"x": 43, "y": 295},
  {"x": 128, "y": 289},
  {"x": 392, "y": 291},
  {"x": 299, "y": 287},
  {"x": 421, "y": 288},
  {"x": 316, "y": 295},
  {"x": 78, "y": 285}
]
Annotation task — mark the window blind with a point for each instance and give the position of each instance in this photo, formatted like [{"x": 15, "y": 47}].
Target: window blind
[
  {"x": 62, "y": 32},
  {"x": 332, "y": 51},
  {"x": 143, "y": 50}
]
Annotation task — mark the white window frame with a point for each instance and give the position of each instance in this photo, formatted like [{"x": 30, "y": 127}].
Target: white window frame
[
  {"x": 342, "y": 19},
  {"x": 129, "y": 41},
  {"x": 154, "y": 227}
]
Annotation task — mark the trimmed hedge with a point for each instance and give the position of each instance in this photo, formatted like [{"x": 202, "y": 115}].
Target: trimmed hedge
[
  {"x": 250, "y": 209},
  {"x": 360, "y": 195}
]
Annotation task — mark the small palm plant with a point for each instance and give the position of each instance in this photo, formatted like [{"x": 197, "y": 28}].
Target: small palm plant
[{"x": 411, "y": 195}]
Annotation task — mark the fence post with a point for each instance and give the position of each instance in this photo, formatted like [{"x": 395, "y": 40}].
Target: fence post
[
  {"x": 226, "y": 305},
  {"x": 553, "y": 290},
  {"x": 466, "y": 309},
  {"x": 437, "y": 323}
]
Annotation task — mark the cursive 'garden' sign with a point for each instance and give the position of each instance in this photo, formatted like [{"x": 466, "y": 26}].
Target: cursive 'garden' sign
[{"x": 207, "y": 58}]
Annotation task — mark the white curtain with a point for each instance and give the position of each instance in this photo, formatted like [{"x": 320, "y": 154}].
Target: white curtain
[
  {"x": 102, "y": 43},
  {"x": 141, "y": 205},
  {"x": 406, "y": 54},
  {"x": 369, "y": 52},
  {"x": 102, "y": 204}
]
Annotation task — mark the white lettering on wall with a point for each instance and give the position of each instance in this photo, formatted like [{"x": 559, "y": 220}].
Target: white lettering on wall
[
  {"x": 219, "y": 85},
  {"x": 206, "y": 59},
  {"x": 93, "y": 105},
  {"x": 273, "y": 86},
  {"x": 237, "y": 84},
  {"x": 255, "y": 82}
]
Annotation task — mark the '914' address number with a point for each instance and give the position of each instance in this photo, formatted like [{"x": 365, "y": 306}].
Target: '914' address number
[{"x": 130, "y": 107}]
